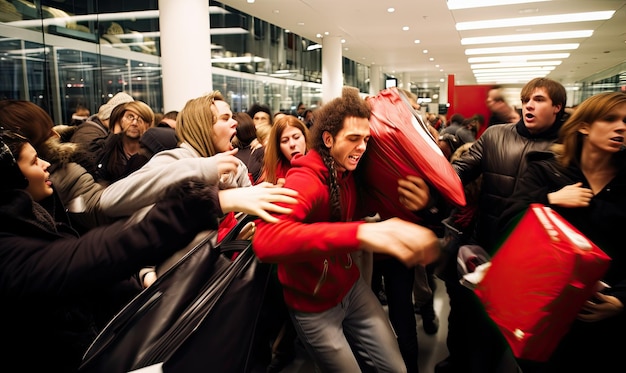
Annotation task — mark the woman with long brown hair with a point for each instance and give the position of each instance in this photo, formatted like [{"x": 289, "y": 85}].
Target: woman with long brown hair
[{"x": 288, "y": 139}]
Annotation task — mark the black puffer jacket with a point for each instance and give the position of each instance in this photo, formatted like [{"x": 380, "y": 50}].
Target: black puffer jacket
[
  {"x": 55, "y": 285},
  {"x": 500, "y": 156}
]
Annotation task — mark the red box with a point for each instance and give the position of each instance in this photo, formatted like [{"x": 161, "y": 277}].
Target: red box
[{"x": 539, "y": 280}]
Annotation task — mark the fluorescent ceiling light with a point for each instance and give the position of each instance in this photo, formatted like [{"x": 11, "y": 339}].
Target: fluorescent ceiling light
[
  {"x": 514, "y": 64},
  {"x": 534, "y": 21},
  {"x": 132, "y": 44},
  {"x": 513, "y": 75},
  {"x": 29, "y": 51},
  {"x": 313, "y": 47},
  {"x": 527, "y": 37},
  {"x": 245, "y": 59},
  {"x": 228, "y": 31},
  {"x": 516, "y": 77},
  {"x": 507, "y": 72},
  {"x": 151, "y": 34},
  {"x": 522, "y": 49},
  {"x": 120, "y": 16},
  {"x": 524, "y": 78},
  {"x": 515, "y": 69},
  {"x": 508, "y": 81},
  {"x": 466, "y": 4},
  {"x": 525, "y": 57}
]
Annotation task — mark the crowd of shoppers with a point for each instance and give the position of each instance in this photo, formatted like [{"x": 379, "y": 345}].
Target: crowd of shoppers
[{"x": 161, "y": 186}]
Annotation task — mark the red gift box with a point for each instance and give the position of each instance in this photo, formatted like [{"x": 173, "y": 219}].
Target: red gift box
[
  {"x": 400, "y": 145},
  {"x": 539, "y": 280}
]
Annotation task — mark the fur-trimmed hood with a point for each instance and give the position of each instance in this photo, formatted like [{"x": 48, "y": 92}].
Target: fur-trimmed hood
[{"x": 60, "y": 151}]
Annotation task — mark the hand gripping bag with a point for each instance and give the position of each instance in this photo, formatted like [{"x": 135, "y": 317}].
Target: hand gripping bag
[
  {"x": 401, "y": 145},
  {"x": 201, "y": 315},
  {"x": 539, "y": 280}
]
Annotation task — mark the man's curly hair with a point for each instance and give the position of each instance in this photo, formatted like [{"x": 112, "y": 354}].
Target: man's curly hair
[{"x": 330, "y": 118}]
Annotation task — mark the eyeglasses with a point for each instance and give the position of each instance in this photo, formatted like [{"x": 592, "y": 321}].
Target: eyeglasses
[{"x": 131, "y": 118}]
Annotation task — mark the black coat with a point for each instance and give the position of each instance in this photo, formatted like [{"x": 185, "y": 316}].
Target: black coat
[
  {"x": 603, "y": 221},
  {"x": 596, "y": 346},
  {"x": 499, "y": 155},
  {"x": 55, "y": 286}
]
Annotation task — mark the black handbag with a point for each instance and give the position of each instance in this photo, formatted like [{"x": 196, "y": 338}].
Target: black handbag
[{"x": 202, "y": 314}]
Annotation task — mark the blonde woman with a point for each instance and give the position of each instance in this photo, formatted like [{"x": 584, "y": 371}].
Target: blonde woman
[{"x": 205, "y": 128}]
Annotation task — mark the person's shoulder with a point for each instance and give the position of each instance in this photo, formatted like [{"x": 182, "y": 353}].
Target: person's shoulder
[
  {"x": 88, "y": 131},
  {"x": 499, "y": 130},
  {"x": 258, "y": 153},
  {"x": 502, "y": 127},
  {"x": 180, "y": 152}
]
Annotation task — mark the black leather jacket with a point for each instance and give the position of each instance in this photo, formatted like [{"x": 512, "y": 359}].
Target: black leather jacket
[{"x": 500, "y": 156}]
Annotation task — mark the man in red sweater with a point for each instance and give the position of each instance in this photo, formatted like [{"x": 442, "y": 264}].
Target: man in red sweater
[{"x": 333, "y": 309}]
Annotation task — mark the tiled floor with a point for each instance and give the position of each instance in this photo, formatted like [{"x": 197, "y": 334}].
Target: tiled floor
[{"x": 432, "y": 348}]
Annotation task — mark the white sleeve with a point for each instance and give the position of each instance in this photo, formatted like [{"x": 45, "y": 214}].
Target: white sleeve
[{"x": 144, "y": 186}]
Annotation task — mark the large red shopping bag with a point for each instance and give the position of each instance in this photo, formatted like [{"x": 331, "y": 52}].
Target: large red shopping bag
[
  {"x": 539, "y": 280},
  {"x": 401, "y": 145}
]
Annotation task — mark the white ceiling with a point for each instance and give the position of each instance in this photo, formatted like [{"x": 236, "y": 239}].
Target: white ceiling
[{"x": 374, "y": 36}]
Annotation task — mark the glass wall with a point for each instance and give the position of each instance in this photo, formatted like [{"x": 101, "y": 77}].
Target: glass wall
[
  {"x": 611, "y": 80},
  {"x": 61, "y": 54}
]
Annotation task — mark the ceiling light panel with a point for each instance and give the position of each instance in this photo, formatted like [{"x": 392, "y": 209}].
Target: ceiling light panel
[
  {"x": 527, "y": 37},
  {"x": 535, "y": 21},
  {"x": 515, "y": 69},
  {"x": 467, "y": 4},
  {"x": 500, "y": 72},
  {"x": 519, "y": 58},
  {"x": 522, "y": 49},
  {"x": 514, "y": 64}
]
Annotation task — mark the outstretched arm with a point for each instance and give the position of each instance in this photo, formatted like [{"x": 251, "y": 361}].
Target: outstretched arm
[
  {"x": 410, "y": 243},
  {"x": 259, "y": 200}
]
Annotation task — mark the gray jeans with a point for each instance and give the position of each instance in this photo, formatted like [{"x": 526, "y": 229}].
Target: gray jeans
[{"x": 357, "y": 323}]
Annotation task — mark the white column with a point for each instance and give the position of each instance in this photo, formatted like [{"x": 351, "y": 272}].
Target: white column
[
  {"x": 332, "y": 68},
  {"x": 406, "y": 81},
  {"x": 375, "y": 79},
  {"x": 185, "y": 51},
  {"x": 443, "y": 92}
]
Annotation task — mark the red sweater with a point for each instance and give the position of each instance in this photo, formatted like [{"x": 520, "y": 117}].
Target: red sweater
[{"x": 313, "y": 255}]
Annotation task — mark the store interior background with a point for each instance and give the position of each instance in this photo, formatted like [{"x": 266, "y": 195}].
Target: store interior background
[{"x": 60, "y": 54}]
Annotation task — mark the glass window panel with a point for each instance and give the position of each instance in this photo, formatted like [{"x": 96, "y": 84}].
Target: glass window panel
[{"x": 78, "y": 74}]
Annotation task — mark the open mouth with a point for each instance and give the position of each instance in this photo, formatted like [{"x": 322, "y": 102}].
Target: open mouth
[
  {"x": 530, "y": 116},
  {"x": 619, "y": 139}
]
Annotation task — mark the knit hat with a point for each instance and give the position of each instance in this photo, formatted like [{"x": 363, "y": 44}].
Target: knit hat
[
  {"x": 104, "y": 112},
  {"x": 157, "y": 139}
]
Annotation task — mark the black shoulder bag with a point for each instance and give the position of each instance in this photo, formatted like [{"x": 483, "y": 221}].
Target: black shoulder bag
[{"x": 200, "y": 315}]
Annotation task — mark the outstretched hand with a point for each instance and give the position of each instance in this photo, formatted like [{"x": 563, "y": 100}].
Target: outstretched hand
[
  {"x": 603, "y": 307},
  {"x": 227, "y": 163},
  {"x": 414, "y": 193},
  {"x": 571, "y": 196},
  {"x": 259, "y": 200},
  {"x": 410, "y": 243}
]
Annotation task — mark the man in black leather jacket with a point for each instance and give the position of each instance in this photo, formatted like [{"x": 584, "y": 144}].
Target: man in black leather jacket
[{"x": 498, "y": 155}]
